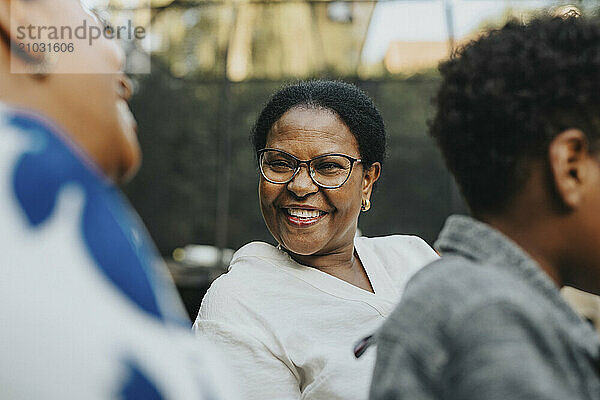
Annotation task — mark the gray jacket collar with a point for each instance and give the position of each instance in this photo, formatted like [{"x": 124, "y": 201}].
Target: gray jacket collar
[
  {"x": 482, "y": 243},
  {"x": 467, "y": 237}
]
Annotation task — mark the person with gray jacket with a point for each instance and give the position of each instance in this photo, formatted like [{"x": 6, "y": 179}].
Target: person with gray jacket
[{"x": 518, "y": 124}]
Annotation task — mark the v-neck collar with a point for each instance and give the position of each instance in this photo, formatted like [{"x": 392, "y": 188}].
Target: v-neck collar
[{"x": 385, "y": 294}]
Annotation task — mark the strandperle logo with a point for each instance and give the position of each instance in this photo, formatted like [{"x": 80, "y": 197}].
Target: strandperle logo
[
  {"x": 44, "y": 44},
  {"x": 81, "y": 32}
]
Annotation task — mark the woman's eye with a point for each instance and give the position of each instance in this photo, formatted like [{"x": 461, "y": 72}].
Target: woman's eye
[
  {"x": 280, "y": 164},
  {"x": 328, "y": 167}
]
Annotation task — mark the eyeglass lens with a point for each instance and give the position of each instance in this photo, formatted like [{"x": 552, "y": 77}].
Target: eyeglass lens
[{"x": 327, "y": 170}]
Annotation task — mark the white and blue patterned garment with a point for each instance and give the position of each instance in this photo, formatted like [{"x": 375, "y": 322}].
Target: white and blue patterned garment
[{"x": 86, "y": 310}]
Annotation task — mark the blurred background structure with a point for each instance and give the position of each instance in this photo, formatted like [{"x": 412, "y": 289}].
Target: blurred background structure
[{"x": 215, "y": 62}]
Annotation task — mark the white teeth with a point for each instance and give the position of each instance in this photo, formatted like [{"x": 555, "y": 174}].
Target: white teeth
[{"x": 302, "y": 213}]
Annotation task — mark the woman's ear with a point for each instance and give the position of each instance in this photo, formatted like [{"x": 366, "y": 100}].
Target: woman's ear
[
  {"x": 370, "y": 176},
  {"x": 569, "y": 160}
]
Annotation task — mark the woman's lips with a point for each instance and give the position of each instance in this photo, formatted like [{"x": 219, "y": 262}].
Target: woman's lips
[{"x": 302, "y": 217}]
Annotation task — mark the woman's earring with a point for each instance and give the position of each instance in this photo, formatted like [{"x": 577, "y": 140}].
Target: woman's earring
[{"x": 366, "y": 205}]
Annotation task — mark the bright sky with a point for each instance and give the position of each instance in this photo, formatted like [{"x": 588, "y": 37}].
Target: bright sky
[{"x": 425, "y": 20}]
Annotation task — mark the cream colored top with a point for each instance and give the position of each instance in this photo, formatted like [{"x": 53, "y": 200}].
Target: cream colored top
[{"x": 289, "y": 330}]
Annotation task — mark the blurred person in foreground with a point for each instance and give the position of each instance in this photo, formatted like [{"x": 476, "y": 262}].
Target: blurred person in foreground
[
  {"x": 289, "y": 316},
  {"x": 87, "y": 311},
  {"x": 518, "y": 123}
]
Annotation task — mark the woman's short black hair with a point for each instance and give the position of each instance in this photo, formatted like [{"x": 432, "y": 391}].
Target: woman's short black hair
[
  {"x": 351, "y": 104},
  {"x": 505, "y": 96}
]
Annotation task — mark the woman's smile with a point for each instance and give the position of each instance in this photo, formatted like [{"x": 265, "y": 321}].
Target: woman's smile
[{"x": 303, "y": 217}]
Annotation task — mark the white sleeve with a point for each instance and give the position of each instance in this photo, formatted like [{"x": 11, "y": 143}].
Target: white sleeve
[
  {"x": 209, "y": 368},
  {"x": 260, "y": 374}
]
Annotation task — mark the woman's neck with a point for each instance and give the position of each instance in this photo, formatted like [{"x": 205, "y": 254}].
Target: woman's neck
[{"x": 343, "y": 264}]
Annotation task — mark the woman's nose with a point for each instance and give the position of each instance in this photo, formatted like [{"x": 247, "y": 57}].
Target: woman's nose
[{"x": 302, "y": 184}]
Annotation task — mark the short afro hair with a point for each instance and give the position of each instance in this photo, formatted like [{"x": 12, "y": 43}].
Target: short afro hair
[
  {"x": 351, "y": 104},
  {"x": 506, "y": 95}
]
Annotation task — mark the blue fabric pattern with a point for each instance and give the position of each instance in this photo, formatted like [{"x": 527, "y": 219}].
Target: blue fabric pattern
[
  {"x": 138, "y": 386},
  {"x": 111, "y": 230}
]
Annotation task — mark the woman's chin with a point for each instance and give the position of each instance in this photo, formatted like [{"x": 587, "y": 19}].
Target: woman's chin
[{"x": 300, "y": 249}]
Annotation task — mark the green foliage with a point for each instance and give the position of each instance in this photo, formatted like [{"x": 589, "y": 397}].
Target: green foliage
[
  {"x": 175, "y": 189},
  {"x": 415, "y": 193}
]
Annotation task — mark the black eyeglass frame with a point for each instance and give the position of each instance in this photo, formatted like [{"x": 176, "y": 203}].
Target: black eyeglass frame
[{"x": 311, "y": 171}]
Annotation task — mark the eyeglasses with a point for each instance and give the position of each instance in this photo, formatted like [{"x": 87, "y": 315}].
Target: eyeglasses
[{"x": 328, "y": 171}]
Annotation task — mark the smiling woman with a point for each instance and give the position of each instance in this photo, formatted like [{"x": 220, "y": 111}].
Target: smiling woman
[{"x": 288, "y": 317}]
